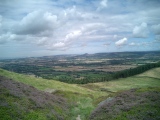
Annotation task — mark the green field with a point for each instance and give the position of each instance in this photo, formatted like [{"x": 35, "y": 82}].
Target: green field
[{"x": 86, "y": 97}]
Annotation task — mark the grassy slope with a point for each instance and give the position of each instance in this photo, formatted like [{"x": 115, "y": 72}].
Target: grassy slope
[
  {"x": 154, "y": 73},
  {"x": 150, "y": 78},
  {"x": 20, "y": 101},
  {"x": 86, "y": 97},
  {"x": 43, "y": 84},
  {"x": 80, "y": 98},
  {"x": 134, "y": 104}
]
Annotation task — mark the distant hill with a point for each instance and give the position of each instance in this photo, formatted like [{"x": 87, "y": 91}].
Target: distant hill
[{"x": 112, "y": 55}]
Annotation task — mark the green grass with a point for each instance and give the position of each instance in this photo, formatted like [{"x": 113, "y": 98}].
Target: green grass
[
  {"x": 43, "y": 84},
  {"x": 150, "y": 78},
  {"x": 80, "y": 104},
  {"x": 154, "y": 73}
]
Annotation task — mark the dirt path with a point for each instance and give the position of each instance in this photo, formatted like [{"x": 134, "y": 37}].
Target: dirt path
[{"x": 78, "y": 118}]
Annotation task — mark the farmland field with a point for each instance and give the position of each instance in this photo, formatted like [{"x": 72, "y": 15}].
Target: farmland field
[{"x": 80, "y": 68}]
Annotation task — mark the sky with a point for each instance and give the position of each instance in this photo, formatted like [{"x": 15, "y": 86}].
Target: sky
[{"x": 31, "y": 28}]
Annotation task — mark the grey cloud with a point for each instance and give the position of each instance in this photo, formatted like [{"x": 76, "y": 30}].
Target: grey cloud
[
  {"x": 42, "y": 41},
  {"x": 106, "y": 44},
  {"x": 156, "y": 29},
  {"x": 36, "y": 22},
  {"x": 0, "y": 20},
  {"x": 83, "y": 45},
  {"x": 115, "y": 37},
  {"x": 157, "y": 38},
  {"x": 8, "y": 37},
  {"x": 5, "y": 38}
]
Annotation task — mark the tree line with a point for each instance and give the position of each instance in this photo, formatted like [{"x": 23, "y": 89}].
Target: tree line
[
  {"x": 113, "y": 76},
  {"x": 84, "y": 77}
]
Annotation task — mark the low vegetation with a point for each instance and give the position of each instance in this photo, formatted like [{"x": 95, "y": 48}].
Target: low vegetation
[
  {"x": 81, "y": 100},
  {"x": 135, "y": 104},
  {"x": 20, "y": 101}
]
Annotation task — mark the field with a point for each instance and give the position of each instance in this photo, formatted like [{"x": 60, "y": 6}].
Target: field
[
  {"x": 147, "y": 79},
  {"x": 74, "y": 68},
  {"x": 107, "y": 68}
]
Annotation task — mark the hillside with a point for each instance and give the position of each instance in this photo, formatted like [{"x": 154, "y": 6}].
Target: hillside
[
  {"x": 135, "y": 104},
  {"x": 151, "y": 78},
  {"x": 21, "y": 101},
  {"x": 136, "y": 97},
  {"x": 80, "y": 100}
]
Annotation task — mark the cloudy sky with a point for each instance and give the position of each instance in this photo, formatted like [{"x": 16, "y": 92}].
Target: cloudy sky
[{"x": 50, "y": 27}]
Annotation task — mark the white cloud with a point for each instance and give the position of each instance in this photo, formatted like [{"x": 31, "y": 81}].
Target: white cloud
[
  {"x": 73, "y": 35},
  {"x": 59, "y": 45},
  {"x": 141, "y": 31},
  {"x": 67, "y": 42},
  {"x": 74, "y": 14},
  {"x": 62, "y": 46},
  {"x": 36, "y": 22},
  {"x": 121, "y": 42},
  {"x": 103, "y": 4},
  {"x": 132, "y": 44},
  {"x": 156, "y": 29}
]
